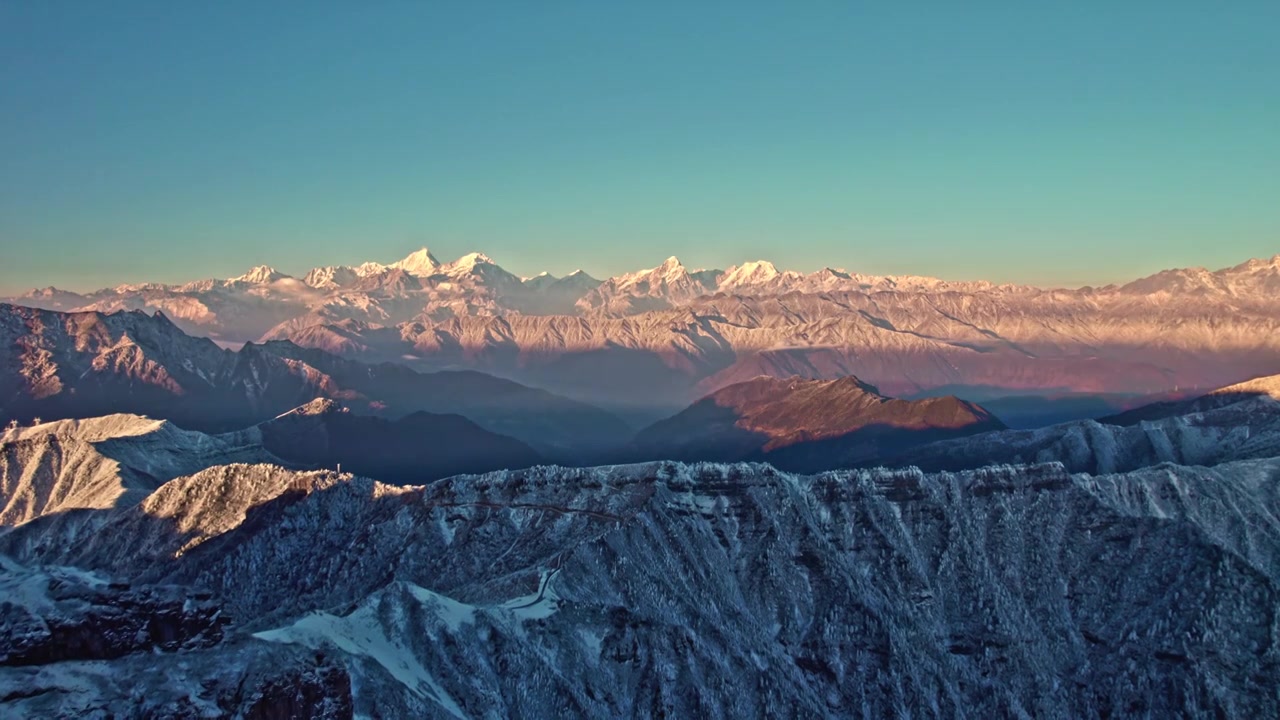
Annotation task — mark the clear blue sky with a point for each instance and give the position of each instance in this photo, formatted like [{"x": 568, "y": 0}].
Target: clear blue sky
[{"x": 1064, "y": 143}]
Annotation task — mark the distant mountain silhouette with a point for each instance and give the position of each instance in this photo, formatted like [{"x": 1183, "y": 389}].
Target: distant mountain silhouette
[{"x": 806, "y": 425}]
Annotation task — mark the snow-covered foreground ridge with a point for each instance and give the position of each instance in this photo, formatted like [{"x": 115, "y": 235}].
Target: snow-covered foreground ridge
[{"x": 673, "y": 589}]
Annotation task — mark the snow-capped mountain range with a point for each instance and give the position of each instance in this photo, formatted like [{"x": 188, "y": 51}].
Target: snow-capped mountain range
[
  {"x": 420, "y": 286},
  {"x": 649, "y": 342},
  {"x": 245, "y": 307}
]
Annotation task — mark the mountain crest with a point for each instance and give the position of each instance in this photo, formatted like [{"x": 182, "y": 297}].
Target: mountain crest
[
  {"x": 330, "y": 277},
  {"x": 259, "y": 275},
  {"x": 468, "y": 262},
  {"x": 749, "y": 273},
  {"x": 419, "y": 262}
]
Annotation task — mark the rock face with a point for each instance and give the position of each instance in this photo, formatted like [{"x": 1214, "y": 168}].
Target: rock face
[
  {"x": 62, "y": 614},
  {"x": 76, "y": 644},
  {"x": 806, "y": 425},
  {"x": 55, "y": 365}
]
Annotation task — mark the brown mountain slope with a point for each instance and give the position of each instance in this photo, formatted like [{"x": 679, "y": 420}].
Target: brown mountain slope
[{"x": 806, "y": 424}]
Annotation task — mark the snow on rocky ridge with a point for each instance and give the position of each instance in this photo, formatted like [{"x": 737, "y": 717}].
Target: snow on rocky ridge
[{"x": 677, "y": 589}]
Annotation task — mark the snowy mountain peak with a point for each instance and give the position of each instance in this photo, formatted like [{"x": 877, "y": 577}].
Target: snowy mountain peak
[
  {"x": 540, "y": 281},
  {"x": 330, "y": 277},
  {"x": 1257, "y": 264},
  {"x": 370, "y": 268},
  {"x": 419, "y": 262},
  {"x": 579, "y": 278},
  {"x": 749, "y": 273},
  {"x": 470, "y": 260},
  {"x": 260, "y": 275}
]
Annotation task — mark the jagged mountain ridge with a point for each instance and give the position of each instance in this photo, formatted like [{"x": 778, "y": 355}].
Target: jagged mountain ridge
[
  {"x": 724, "y": 590},
  {"x": 57, "y": 365},
  {"x": 245, "y": 307},
  {"x": 806, "y": 425}
]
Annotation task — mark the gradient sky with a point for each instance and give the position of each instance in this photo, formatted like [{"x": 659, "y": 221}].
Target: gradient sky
[{"x": 1056, "y": 144}]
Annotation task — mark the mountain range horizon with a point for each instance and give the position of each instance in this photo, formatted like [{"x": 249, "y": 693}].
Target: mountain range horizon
[
  {"x": 648, "y": 343},
  {"x": 421, "y": 258}
]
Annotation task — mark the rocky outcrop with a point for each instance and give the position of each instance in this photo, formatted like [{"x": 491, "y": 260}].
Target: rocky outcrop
[{"x": 62, "y": 614}]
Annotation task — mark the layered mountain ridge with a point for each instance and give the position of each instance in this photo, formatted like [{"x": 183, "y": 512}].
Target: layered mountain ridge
[
  {"x": 647, "y": 343},
  {"x": 58, "y": 365},
  {"x": 1111, "y": 571}
]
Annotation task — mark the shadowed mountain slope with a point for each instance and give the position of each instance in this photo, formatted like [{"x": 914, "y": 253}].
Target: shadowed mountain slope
[
  {"x": 414, "y": 449},
  {"x": 61, "y": 468},
  {"x": 59, "y": 365}
]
